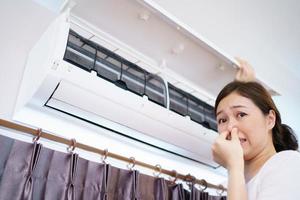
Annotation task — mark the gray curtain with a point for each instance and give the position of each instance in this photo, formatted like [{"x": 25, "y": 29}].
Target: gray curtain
[{"x": 32, "y": 172}]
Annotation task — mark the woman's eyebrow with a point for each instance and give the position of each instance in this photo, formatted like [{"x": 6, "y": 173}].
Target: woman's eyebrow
[
  {"x": 232, "y": 107},
  {"x": 238, "y": 106},
  {"x": 219, "y": 112}
]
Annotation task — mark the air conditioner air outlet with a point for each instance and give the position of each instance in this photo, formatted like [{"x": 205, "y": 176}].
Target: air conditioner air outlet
[{"x": 149, "y": 123}]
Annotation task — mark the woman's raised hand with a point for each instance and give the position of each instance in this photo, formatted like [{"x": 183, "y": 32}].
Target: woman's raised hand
[{"x": 245, "y": 73}]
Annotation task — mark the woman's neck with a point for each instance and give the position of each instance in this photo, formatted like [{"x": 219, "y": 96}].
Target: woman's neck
[{"x": 254, "y": 165}]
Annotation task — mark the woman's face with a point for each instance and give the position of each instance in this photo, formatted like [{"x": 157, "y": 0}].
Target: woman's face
[{"x": 254, "y": 128}]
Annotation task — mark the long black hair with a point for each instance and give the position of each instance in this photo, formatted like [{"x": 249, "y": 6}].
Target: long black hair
[{"x": 283, "y": 135}]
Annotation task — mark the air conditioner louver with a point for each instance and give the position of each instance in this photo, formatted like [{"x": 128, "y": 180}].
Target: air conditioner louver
[{"x": 130, "y": 76}]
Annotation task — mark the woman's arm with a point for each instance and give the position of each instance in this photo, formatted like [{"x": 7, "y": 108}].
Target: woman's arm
[
  {"x": 236, "y": 184},
  {"x": 227, "y": 151}
]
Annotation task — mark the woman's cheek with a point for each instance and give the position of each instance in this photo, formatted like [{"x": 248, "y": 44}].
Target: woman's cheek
[{"x": 221, "y": 128}]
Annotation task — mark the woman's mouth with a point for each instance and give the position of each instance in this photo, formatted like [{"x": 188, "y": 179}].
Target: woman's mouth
[{"x": 242, "y": 140}]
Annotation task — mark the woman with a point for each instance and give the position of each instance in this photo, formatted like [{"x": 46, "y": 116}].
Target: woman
[{"x": 258, "y": 151}]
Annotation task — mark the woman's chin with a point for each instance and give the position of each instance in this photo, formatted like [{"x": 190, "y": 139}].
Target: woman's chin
[{"x": 247, "y": 155}]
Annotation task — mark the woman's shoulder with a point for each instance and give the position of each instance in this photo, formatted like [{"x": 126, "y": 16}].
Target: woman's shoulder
[
  {"x": 279, "y": 177},
  {"x": 283, "y": 161},
  {"x": 287, "y": 155},
  {"x": 283, "y": 165}
]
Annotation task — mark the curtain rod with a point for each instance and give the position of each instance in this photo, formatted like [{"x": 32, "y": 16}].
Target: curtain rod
[{"x": 72, "y": 143}]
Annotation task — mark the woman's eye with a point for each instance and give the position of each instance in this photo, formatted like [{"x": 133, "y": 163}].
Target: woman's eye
[
  {"x": 241, "y": 114},
  {"x": 222, "y": 120}
]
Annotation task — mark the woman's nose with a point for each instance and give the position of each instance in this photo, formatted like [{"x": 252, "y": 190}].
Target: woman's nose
[{"x": 231, "y": 124}]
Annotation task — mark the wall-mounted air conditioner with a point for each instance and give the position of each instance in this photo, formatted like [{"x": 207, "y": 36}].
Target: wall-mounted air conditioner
[{"x": 128, "y": 65}]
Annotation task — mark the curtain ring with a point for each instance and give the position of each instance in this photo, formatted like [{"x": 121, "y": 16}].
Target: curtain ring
[
  {"x": 131, "y": 163},
  {"x": 72, "y": 146},
  {"x": 190, "y": 179},
  {"x": 104, "y": 156},
  {"x": 203, "y": 182},
  {"x": 38, "y": 135},
  {"x": 157, "y": 169},
  {"x": 175, "y": 175},
  {"x": 221, "y": 191}
]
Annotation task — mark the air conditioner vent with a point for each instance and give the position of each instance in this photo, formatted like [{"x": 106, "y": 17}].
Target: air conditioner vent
[
  {"x": 186, "y": 104},
  {"x": 110, "y": 66},
  {"x": 127, "y": 75}
]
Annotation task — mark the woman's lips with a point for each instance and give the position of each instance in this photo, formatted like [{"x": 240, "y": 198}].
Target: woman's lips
[{"x": 242, "y": 140}]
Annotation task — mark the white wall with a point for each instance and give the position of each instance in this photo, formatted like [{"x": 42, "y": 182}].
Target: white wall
[{"x": 21, "y": 22}]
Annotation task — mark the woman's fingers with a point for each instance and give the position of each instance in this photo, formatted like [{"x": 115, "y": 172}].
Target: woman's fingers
[
  {"x": 234, "y": 134},
  {"x": 224, "y": 135},
  {"x": 245, "y": 72}
]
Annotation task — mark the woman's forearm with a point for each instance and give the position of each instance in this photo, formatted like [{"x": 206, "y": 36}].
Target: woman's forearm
[{"x": 236, "y": 184}]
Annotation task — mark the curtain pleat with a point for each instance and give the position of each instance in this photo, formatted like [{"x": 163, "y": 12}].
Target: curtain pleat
[
  {"x": 204, "y": 196},
  {"x": 120, "y": 184},
  {"x": 6, "y": 145},
  {"x": 90, "y": 180},
  {"x": 58, "y": 184},
  {"x": 161, "y": 190},
  {"x": 28, "y": 187},
  {"x": 216, "y": 198},
  {"x": 33, "y": 172},
  {"x": 176, "y": 192},
  {"x": 72, "y": 176},
  {"x": 16, "y": 170},
  {"x": 198, "y": 195}
]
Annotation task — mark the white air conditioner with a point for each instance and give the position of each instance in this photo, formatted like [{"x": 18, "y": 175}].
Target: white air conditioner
[{"x": 143, "y": 34}]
